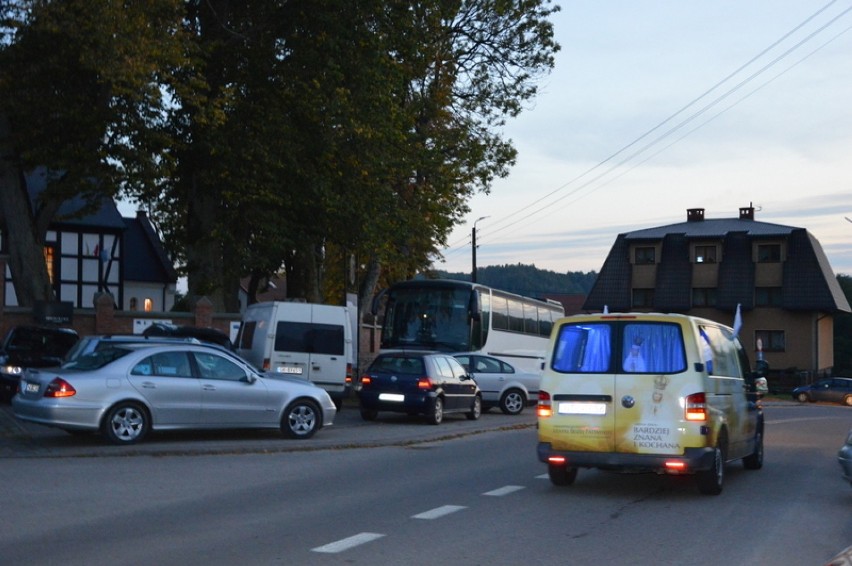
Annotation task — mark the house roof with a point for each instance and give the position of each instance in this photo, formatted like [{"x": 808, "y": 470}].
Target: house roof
[
  {"x": 149, "y": 262},
  {"x": 712, "y": 228},
  {"x": 106, "y": 217},
  {"x": 809, "y": 282}
]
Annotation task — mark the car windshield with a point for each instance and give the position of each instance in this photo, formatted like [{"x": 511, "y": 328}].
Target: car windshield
[{"x": 98, "y": 358}]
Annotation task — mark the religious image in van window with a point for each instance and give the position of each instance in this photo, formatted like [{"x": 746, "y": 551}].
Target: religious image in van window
[{"x": 634, "y": 362}]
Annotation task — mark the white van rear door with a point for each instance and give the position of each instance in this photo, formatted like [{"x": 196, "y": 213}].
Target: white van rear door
[{"x": 327, "y": 345}]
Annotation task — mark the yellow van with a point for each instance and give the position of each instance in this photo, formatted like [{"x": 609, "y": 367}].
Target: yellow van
[{"x": 663, "y": 393}]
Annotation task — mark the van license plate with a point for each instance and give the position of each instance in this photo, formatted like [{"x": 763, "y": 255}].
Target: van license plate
[
  {"x": 289, "y": 369},
  {"x": 581, "y": 408}
]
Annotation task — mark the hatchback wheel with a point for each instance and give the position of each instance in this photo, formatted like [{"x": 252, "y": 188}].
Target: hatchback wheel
[
  {"x": 802, "y": 397},
  {"x": 369, "y": 414},
  {"x": 301, "y": 419},
  {"x": 512, "y": 402},
  {"x": 436, "y": 415},
  {"x": 848, "y": 400},
  {"x": 126, "y": 423},
  {"x": 476, "y": 409}
]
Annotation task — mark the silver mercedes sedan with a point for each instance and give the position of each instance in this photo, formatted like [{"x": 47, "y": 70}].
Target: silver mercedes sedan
[{"x": 126, "y": 390}]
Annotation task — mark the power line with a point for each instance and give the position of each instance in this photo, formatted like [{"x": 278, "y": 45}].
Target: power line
[{"x": 492, "y": 230}]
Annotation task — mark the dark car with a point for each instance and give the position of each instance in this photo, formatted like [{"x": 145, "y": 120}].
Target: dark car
[
  {"x": 203, "y": 334},
  {"x": 31, "y": 347},
  {"x": 834, "y": 390},
  {"x": 418, "y": 383}
]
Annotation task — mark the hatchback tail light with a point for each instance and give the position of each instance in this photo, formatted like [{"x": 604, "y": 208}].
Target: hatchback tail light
[
  {"x": 424, "y": 383},
  {"x": 696, "y": 407},
  {"x": 366, "y": 380},
  {"x": 544, "y": 409},
  {"x": 59, "y": 388}
]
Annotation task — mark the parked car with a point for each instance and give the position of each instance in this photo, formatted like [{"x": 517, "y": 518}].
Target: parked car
[
  {"x": 129, "y": 389},
  {"x": 418, "y": 383},
  {"x": 835, "y": 390},
  {"x": 202, "y": 334},
  {"x": 844, "y": 456},
  {"x": 502, "y": 385},
  {"x": 31, "y": 346}
]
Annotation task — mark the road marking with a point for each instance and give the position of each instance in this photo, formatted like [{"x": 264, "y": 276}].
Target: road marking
[
  {"x": 504, "y": 490},
  {"x": 438, "y": 512},
  {"x": 347, "y": 543},
  {"x": 543, "y": 477}
]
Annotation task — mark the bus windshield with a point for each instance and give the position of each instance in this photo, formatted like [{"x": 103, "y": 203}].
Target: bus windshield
[{"x": 434, "y": 318}]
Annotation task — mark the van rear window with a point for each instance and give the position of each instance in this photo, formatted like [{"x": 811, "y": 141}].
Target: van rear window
[
  {"x": 309, "y": 338},
  {"x": 619, "y": 347}
]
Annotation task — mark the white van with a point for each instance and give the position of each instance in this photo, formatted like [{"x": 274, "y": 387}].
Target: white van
[
  {"x": 663, "y": 393},
  {"x": 305, "y": 340}
]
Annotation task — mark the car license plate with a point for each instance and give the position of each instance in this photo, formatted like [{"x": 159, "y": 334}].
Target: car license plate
[
  {"x": 581, "y": 408},
  {"x": 391, "y": 397},
  {"x": 289, "y": 369},
  {"x": 32, "y": 388}
]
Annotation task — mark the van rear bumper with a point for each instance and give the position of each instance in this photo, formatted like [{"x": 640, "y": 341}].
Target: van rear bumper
[{"x": 694, "y": 459}]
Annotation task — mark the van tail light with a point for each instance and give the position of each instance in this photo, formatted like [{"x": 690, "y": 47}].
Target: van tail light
[
  {"x": 349, "y": 374},
  {"x": 544, "y": 408},
  {"x": 59, "y": 388},
  {"x": 424, "y": 383},
  {"x": 266, "y": 364},
  {"x": 696, "y": 407}
]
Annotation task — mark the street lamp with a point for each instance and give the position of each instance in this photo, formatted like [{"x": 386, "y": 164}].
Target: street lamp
[{"x": 473, "y": 242}]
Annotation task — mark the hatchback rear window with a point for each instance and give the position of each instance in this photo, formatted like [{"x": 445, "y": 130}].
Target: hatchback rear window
[{"x": 398, "y": 364}]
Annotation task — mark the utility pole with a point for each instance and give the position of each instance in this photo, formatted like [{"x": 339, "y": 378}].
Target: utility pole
[{"x": 473, "y": 254}]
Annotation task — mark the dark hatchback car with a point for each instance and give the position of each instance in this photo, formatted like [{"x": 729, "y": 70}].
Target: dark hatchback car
[
  {"x": 418, "y": 383},
  {"x": 31, "y": 347},
  {"x": 833, "y": 390}
]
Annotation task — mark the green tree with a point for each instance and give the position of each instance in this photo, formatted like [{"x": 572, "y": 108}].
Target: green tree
[{"x": 80, "y": 96}]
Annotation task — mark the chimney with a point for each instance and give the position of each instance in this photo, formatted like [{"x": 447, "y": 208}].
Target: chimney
[
  {"x": 694, "y": 214},
  {"x": 747, "y": 212}
]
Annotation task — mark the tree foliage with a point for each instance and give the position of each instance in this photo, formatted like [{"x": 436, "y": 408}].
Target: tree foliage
[
  {"x": 311, "y": 137},
  {"x": 80, "y": 95}
]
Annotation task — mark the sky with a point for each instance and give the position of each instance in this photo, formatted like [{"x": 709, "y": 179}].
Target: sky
[{"x": 657, "y": 106}]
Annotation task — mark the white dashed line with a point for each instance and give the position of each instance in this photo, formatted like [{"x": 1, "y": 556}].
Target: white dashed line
[
  {"x": 504, "y": 490},
  {"x": 438, "y": 512},
  {"x": 543, "y": 477},
  {"x": 347, "y": 543}
]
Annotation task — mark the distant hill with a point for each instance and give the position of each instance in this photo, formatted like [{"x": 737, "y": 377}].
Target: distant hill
[{"x": 528, "y": 280}]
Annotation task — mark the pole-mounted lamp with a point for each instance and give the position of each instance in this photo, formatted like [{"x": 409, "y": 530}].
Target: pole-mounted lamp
[{"x": 473, "y": 243}]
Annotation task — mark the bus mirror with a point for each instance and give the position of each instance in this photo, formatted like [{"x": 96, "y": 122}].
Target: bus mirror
[{"x": 473, "y": 306}]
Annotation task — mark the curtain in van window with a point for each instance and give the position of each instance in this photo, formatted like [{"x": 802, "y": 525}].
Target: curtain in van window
[
  {"x": 583, "y": 348},
  {"x": 653, "y": 348}
]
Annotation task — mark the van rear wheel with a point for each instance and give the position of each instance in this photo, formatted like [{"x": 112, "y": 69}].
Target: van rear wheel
[
  {"x": 561, "y": 475},
  {"x": 754, "y": 461},
  {"x": 710, "y": 481}
]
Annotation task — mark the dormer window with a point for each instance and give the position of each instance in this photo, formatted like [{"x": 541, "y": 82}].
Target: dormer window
[
  {"x": 645, "y": 255},
  {"x": 705, "y": 254},
  {"x": 768, "y": 253}
]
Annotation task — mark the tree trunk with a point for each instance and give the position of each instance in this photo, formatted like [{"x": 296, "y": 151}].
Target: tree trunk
[
  {"x": 367, "y": 289},
  {"x": 203, "y": 251},
  {"x": 25, "y": 243}
]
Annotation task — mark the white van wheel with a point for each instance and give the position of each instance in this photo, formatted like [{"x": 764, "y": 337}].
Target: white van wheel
[
  {"x": 561, "y": 475},
  {"x": 754, "y": 461}
]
